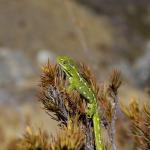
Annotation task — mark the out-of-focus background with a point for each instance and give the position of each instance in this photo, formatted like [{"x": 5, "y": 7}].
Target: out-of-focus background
[{"x": 105, "y": 34}]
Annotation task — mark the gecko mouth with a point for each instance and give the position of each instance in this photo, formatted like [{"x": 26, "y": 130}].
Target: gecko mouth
[{"x": 65, "y": 70}]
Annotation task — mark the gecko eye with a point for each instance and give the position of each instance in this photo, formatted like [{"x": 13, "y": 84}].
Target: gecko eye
[{"x": 64, "y": 62}]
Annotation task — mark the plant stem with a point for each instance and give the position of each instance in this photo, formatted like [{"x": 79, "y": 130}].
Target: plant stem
[{"x": 113, "y": 122}]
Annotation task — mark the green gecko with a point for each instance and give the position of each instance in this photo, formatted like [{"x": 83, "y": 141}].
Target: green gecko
[{"x": 78, "y": 83}]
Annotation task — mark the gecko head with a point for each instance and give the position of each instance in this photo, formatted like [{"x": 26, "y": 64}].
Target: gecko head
[{"x": 67, "y": 64}]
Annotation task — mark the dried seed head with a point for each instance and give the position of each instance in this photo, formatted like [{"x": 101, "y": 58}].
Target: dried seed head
[
  {"x": 115, "y": 81},
  {"x": 133, "y": 111},
  {"x": 71, "y": 137},
  {"x": 140, "y": 123},
  {"x": 33, "y": 140}
]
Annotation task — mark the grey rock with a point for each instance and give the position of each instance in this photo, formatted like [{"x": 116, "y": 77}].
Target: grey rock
[
  {"x": 142, "y": 67},
  {"x": 15, "y": 67}
]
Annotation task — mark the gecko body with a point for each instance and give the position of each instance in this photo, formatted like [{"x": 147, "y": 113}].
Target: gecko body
[{"x": 77, "y": 82}]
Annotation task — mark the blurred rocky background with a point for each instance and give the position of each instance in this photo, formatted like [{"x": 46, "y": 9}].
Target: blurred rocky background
[{"x": 105, "y": 34}]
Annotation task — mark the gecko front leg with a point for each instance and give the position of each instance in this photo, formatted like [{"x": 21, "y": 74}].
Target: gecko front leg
[{"x": 91, "y": 109}]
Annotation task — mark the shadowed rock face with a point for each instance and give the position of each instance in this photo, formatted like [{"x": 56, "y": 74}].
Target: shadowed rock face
[
  {"x": 132, "y": 14},
  {"x": 111, "y": 7},
  {"x": 130, "y": 17}
]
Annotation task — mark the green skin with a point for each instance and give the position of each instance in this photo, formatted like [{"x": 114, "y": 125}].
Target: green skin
[{"x": 78, "y": 83}]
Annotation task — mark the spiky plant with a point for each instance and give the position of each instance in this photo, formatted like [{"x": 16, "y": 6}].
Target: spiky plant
[
  {"x": 139, "y": 118},
  {"x": 61, "y": 103},
  {"x": 68, "y": 108}
]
